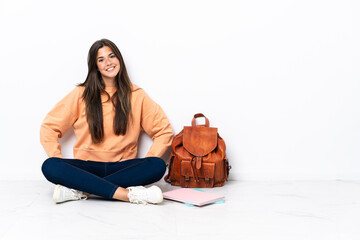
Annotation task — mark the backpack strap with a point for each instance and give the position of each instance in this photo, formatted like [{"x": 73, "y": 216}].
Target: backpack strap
[
  {"x": 207, "y": 123},
  {"x": 167, "y": 177}
]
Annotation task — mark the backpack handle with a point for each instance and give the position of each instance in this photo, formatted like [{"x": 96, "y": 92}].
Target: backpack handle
[{"x": 207, "y": 124}]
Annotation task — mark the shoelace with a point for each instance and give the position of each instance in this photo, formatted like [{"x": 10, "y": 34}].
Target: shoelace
[{"x": 79, "y": 195}]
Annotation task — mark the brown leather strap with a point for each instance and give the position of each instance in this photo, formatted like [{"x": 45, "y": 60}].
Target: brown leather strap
[
  {"x": 198, "y": 161},
  {"x": 227, "y": 168},
  {"x": 194, "y": 173},
  {"x": 167, "y": 177},
  {"x": 207, "y": 123}
]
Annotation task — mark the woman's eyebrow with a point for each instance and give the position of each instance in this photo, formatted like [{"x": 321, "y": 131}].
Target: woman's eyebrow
[{"x": 108, "y": 55}]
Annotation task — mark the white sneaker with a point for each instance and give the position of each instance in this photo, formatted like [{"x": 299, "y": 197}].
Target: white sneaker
[
  {"x": 142, "y": 195},
  {"x": 63, "y": 194}
]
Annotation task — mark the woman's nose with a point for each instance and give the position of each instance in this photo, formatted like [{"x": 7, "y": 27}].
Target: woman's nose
[{"x": 107, "y": 61}]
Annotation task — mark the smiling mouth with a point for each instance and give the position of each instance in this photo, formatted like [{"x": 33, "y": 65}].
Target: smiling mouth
[{"x": 110, "y": 69}]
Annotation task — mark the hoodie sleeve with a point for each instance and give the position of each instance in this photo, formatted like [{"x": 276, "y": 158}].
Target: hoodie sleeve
[
  {"x": 58, "y": 121},
  {"x": 155, "y": 123}
]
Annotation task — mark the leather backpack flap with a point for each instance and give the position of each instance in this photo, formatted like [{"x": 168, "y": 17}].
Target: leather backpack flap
[{"x": 200, "y": 141}]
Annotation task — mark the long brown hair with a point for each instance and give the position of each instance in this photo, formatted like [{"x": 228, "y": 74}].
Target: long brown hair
[{"x": 95, "y": 86}]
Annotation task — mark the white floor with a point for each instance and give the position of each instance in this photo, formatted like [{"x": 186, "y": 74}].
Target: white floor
[{"x": 252, "y": 210}]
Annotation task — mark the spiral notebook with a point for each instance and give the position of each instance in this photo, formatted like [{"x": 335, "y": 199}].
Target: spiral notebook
[{"x": 191, "y": 196}]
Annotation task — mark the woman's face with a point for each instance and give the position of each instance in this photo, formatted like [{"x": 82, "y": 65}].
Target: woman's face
[{"x": 108, "y": 64}]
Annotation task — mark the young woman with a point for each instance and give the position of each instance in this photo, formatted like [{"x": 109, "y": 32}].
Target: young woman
[{"x": 107, "y": 114}]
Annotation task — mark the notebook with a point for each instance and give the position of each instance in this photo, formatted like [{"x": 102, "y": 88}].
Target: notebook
[{"x": 194, "y": 197}]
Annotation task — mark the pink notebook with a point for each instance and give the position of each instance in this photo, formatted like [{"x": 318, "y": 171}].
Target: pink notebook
[{"x": 193, "y": 197}]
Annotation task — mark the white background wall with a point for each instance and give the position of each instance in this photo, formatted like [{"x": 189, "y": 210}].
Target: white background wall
[{"x": 280, "y": 79}]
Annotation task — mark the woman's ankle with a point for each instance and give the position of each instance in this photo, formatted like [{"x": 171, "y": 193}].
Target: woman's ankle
[{"x": 121, "y": 194}]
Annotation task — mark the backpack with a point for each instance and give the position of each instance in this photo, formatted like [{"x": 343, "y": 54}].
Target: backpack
[{"x": 198, "y": 158}]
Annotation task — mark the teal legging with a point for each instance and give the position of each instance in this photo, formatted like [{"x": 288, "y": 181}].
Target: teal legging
[{"x": 103, "y": 178}]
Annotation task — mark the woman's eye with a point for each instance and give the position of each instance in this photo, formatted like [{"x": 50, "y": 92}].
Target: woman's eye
[
  {"x": 100, "y": 60},
  {"x": 112, "y": 56}
]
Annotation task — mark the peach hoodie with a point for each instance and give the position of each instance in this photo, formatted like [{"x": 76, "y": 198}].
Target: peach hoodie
[{"x": 70, "y": 112}]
